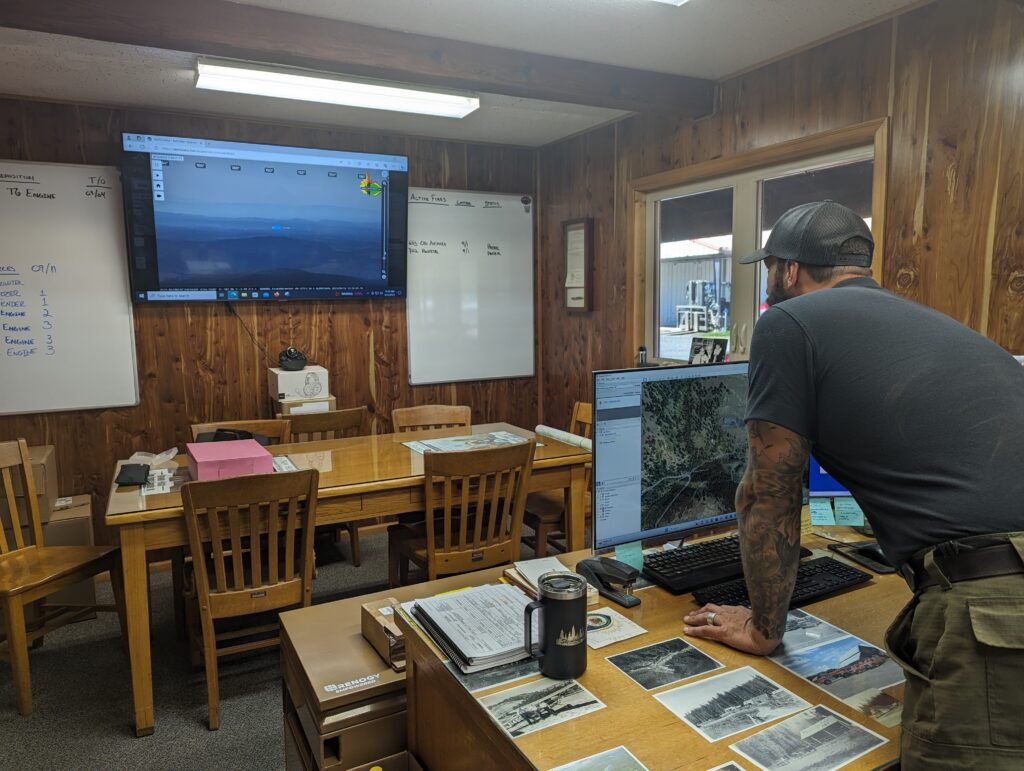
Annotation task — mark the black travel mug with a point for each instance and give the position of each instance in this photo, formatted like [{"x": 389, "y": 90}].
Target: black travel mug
[{"x": 563, "y": 627}]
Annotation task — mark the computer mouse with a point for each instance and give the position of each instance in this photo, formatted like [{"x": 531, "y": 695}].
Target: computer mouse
[{"x": 873, "y": 552}]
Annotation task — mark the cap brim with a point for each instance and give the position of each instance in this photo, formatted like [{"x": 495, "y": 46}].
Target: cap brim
[{"x": 757, "y": 256}]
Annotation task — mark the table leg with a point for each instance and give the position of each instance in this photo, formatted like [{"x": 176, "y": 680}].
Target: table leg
[
  {"x": 575, "y": 509},
  {"x": 136, "y": 600}
]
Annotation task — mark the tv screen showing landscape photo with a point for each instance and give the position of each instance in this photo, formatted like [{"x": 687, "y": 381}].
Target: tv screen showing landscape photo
[{"x": 211, "y": 220}]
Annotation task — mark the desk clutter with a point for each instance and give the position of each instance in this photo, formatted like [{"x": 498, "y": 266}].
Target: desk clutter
[{"x": 714, "y": 700}]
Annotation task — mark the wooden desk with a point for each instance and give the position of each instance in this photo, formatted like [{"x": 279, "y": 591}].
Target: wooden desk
[
  {"x": 449, "y": 730},
  {"x": 322, "y": 647},
  {"x": 361, "y": 477}
]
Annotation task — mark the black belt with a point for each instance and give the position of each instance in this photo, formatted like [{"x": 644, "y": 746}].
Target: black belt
[{"x": 987, "y": 562}]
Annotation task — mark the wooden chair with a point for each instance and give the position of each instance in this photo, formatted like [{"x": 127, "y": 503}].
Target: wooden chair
[
  {"x": 545, "y": 511},
  {"x": 30, "y": 571},
  {"x": 313, "y": 427},
  {"x": 277, "y": 431},
  {"x": 474, "y": 503},
  {"x": 431, "y": 416},
  {"x": 260, "y": 532}
]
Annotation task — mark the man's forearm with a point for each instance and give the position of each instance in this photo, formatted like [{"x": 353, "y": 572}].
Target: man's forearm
[
  {"x": 768, "y": 510},
  {"x": 770, "y": 544}
]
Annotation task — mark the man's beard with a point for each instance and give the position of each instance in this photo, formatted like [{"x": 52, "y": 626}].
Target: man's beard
[{"x": 777, "y": 292}]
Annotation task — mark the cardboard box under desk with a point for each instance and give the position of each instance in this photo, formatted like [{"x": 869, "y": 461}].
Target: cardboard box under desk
[{"x": 44, "y": 473}]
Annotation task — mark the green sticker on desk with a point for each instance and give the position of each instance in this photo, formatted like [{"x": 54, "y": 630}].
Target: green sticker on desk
[
  {"x": 631, "y": 553},
  {"x": 849, "y": 512},
  {"x": 821, "y": 511}
]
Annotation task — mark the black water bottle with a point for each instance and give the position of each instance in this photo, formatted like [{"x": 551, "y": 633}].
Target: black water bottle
[{"x": 563, "y": 625}]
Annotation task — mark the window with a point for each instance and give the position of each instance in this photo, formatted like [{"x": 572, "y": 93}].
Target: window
[{"x": 696, "y": 229}]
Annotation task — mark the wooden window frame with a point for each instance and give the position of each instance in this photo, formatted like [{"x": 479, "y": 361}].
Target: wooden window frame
[{"x": 875, "y": 133}]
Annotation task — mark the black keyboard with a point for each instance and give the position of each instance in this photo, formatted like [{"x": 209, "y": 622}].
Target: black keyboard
[
  {"x": 815, "y": 578},
  {"x": 693, "y": 565}
]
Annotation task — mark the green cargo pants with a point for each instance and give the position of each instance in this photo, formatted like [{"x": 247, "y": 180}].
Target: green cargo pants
[{"x": 961, "y": 646}]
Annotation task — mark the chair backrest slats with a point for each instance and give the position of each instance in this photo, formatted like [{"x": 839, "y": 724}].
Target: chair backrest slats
[
  {"x": 235, "y": 513},
  {"x": 277, "y": 431},
  {"x": 336, "y": 424},
  {"x": 273, "y": 539},
  {"x": 289, "y": 544},
  {"x": 582, "y": 420},
  {"x": 217, "y": 541},
  {"x": 255, "y": 547},
  {"x": 487, "y": 486},
  {"x": 430, "y": 416},
  {"x": 15, "y": 464}
]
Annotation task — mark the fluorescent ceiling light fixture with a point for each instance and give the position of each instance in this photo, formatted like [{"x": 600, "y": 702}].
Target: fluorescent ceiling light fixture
[
  {"x": 282, "y": 83},
  {"x": 673, "y": 2}
]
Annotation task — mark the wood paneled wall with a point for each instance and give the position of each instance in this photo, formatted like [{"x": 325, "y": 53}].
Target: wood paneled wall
[
  {"x": 951, "y": 77},
  {"x": 198, "y": 363}
]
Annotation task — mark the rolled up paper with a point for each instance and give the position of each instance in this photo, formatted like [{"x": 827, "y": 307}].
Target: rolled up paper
[{"x": 565, "y": 437}]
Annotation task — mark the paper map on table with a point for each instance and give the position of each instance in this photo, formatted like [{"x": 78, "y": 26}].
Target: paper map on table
[{"x": 470, "y": 442}]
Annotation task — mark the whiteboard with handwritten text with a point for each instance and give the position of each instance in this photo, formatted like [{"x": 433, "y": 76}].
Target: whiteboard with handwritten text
[
  {"x": 65, "y": 307},
  {"x": 470, "y": 286}
]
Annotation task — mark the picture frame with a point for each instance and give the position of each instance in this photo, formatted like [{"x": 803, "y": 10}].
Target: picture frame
[{"x": 578, "y": 251}]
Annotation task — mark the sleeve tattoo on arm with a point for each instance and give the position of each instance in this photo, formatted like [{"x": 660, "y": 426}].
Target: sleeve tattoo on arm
[{"x": 768, "y": 509}]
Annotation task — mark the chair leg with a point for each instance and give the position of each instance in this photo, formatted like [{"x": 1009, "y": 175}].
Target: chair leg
[
  {"x": 541, "y": 535},
  {"x": 353, "y": 542},
  {"x": 178, "y": 583},
  {"x": 117, "y": 586},
  {"x": 17, "y": 647},
  {"x": 393, "y": 559},
  {"x": 210, "y": 658},
  {"x": 36, "y": 612}
]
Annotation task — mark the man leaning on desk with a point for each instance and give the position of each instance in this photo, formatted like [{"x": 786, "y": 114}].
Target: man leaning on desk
[{"x": 922, "y": 419}]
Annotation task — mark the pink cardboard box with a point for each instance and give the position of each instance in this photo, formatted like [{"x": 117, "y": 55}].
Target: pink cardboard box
[{"x": 218, "y": 460}]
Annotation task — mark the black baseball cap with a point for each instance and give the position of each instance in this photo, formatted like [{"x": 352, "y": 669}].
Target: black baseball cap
[{"x": 812, "y": 233}]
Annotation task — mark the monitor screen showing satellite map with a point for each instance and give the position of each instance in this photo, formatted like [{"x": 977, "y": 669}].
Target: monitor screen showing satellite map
[{"x": 670, "y": 447}]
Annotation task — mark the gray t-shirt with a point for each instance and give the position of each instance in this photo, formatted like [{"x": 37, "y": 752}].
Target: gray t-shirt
[{"x": 921, "y": 418}]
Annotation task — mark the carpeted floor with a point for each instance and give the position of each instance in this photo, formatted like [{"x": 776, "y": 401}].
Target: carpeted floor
[
  {"x": 82, "y": 693},
  {"x": 81, "y": 689}
]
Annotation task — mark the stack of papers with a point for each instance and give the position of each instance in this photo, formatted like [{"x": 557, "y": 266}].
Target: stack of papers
[{"x": 477, "y": 628}]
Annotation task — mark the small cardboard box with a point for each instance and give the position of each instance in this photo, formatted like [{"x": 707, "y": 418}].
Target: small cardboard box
[
  {"x": 219, "y": 460},
  {"x": 305, "y": 406},
  {"x": 308, "y": 383},
  {"x": 72, "y": 527},
  {"x": 381, "y": 631},
  {"x": 44, "y": 474}
]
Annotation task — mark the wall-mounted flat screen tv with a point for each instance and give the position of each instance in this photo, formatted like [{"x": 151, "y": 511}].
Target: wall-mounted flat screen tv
[{"x": 221, "y": 221}]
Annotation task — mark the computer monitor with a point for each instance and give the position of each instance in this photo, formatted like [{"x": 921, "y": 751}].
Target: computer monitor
[
  {"x": 821, "y": 484},
  {"x": 670, "y": 447}
]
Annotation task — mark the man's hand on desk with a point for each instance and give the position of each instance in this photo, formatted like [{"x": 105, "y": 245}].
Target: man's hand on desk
[{"x": 729, "y": 624}]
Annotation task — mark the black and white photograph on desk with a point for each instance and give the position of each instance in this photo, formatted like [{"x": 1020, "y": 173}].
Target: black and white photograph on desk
[
  {"x": 817, "y": 739},
  {"x": 617, "y": 759},
  {"x": 805, "y": 631},
  {"x": 844, "y": 668},
  {"x": 663, "y": 663},
  {"x": 541, "y": 704},
  {"x": 495, "y": 676},
  {"x": 729, "y": 703}
]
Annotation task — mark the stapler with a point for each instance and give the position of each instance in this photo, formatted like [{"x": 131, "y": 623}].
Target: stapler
[{"x": 612, "y": 579}]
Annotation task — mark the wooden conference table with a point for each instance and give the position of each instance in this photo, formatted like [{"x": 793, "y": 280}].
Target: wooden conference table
[
  {"x": 361, "y": 477},
  {"x": 448, "y": 729}
]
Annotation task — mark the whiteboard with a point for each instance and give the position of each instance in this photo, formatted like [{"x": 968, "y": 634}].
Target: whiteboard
[
  {"x": 65, "y": 307},
  {"x": 470, "y": 286}
]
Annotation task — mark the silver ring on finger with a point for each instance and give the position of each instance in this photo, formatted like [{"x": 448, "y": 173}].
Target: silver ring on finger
[{"x": 711, "y": 618}]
